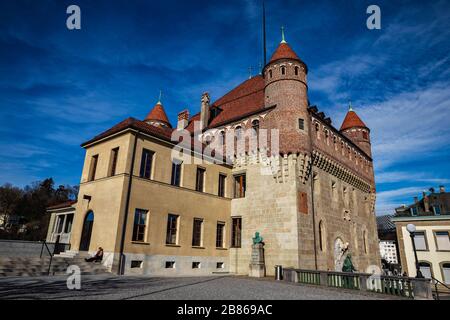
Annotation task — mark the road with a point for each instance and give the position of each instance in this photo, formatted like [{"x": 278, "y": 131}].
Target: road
[{"x": 180, "y": 288}]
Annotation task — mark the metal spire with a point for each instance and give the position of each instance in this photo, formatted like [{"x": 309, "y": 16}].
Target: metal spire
[
  {"x": 350, "y": 108},
  {"x": 283, "y": 40},
  {"x": 159, "y": 99},
  {"x": 264, "y": 32}
]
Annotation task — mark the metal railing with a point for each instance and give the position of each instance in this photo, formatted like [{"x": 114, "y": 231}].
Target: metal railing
[
  {"x": 44, "y": 244},
  {"x": 436, "y": 283},
  {"x": 405, "y": 287}
]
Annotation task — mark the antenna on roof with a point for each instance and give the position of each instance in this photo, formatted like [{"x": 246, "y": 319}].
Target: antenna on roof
[
  {"x": 160, "y": 95},
  {"x": 264, "y": 32},
  {"x": 283, "y": 40}
]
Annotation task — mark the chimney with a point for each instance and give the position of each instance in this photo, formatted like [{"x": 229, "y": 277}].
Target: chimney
[
  {"x": 183, "y": 119},
  {"x": 426, "y": 202},
  {"x": 441, "y": 189},
  {"x": 204, "y": 114}
]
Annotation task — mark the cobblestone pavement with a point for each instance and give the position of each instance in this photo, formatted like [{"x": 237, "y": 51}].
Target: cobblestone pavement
[{"x": 181, "y": 288}]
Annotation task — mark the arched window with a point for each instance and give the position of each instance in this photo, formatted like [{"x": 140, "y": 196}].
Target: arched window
[
  {"x": 321, "y": 236},
  {"x": 283, "y": 70},
  {"x": 222, "y": 137},
  {"x": 238, "y": 132},
  {"x": 365, "y": 135},
  {"x": 425, "y": 269},
  {"x": 296, "y": 71},
  {"x": 270, "y": 74},
  {"x": 255, "y": 127}
]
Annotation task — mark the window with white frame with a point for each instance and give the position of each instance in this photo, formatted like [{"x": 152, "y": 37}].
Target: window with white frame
[
  {"x": 446, "y": 273},
  {"x": 420, "y": 241},
  {"x": 442, "y": 240}
]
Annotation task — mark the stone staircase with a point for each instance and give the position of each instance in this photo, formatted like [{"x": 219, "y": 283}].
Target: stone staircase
[{"x": 35, "y": 266}]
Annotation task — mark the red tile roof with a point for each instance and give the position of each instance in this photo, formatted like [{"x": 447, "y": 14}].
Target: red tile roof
[
  {"x": 284, "y": 51},
  {"x": 62, "y": 205},
  {"x": 160, "y": 132},
  {"x": 158, "y": 114},
  {"x": 247, "y": 98},
  {"x": 351, "y": 121},
  {"x": 244, "y": 100}
]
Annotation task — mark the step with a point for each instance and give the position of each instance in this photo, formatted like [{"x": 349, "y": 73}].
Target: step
[{"x": 39, "y": 266}]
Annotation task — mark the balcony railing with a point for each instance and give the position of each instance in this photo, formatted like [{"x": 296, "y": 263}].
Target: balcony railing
[{"x": 406, "y": 287}]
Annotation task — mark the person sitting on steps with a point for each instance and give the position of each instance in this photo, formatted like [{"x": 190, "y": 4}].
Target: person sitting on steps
[{"x": 98, "y": 257}]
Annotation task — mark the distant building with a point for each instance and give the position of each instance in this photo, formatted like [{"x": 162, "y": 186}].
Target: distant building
[
  {"x": 431, "y": 216},
  {"x": 388, "y": 251},
  {"x": 388, "y": 239}
]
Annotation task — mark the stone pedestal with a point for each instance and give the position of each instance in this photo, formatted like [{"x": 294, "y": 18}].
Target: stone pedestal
[{"x": 257, "y": 265}]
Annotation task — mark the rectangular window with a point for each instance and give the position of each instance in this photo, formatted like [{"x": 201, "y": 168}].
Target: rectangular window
[
  {"x": 222, "y": 180},
  {"x": 301, "y": 124},
  {"x": 197, "y": 233},
  {"x": 59, "y": 224},
  {"x": 200, "y": 182},
  {"x": 136, "y": 264},
  {"x": 442, "y": 240},
  {"x": 219, "y": 265},
  {"x": 69, "y": 222},
  {"x": 437, "y": 210},
  {"x": 146, "y": 164},
  {"x": 420, "y": 241},
  {"x": 140, "y": 221},
  {"x": 414, "y": 211},
  {"x": 93, "y": 169},
  {"x": 239, "y": 186},
  {"x": 195, "y": 265},
  {"x": 176, "y": 174},
  {"x": 113, "y": 162},
  {"x": 170, "y": 264},
  {"x": 172, "y": 225},
  {"x": 220, "y": 234},
  {"x": 236, "y": 232}
]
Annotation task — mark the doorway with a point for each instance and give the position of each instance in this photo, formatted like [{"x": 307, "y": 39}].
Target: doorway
[{"x": 87, "y": 231}]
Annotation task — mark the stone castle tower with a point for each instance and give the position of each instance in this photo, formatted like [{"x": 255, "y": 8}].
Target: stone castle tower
[{"x": 318, "y": 204}]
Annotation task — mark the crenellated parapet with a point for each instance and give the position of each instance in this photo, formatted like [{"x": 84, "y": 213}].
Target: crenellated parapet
[
  {"x": 332, "y": 167},
  {"x": 282, "y": 167}
]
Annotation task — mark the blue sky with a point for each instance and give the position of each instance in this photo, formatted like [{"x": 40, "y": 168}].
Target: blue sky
[{"x": 59, "y": 88}]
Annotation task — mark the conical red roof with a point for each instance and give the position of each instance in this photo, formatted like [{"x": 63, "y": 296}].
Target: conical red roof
[
  {"x": 284, "y": 51},
  {"x": 351, "y": 121},
  {"x": 158, "y": 114}
]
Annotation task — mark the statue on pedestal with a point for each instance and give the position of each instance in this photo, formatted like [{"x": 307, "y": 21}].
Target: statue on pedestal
[{"x": 257, "y": 264}]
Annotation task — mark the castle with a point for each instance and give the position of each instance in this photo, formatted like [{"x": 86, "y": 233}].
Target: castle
[{"x": 153, "y": 215}]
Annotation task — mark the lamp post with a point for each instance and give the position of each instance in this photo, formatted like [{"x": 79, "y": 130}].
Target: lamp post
[{"x": 412, "y": 230}]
